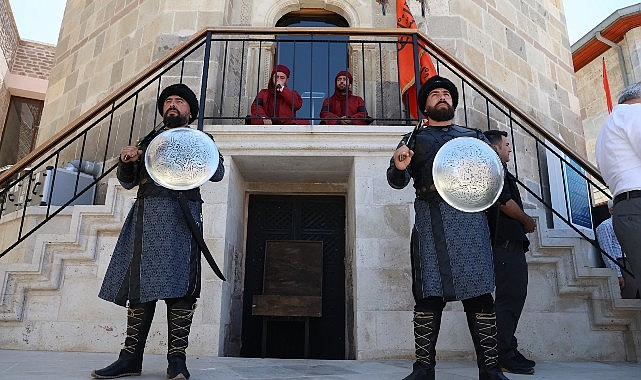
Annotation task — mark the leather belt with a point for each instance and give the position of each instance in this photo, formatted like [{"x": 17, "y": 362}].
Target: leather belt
[
  {"x": 627, "y": 195},
  {"x": 198, "y": 235},
  {"x": 505, "y": 244},
  {"x": 424, "y": 191}
]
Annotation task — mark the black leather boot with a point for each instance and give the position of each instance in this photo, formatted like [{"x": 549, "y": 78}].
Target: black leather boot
[
  {"x": 483, "y": 329},
  {"x": 129, "y": 361},
  {"x": 179, "y": 317},
  {"x": 426, "y": 328}
]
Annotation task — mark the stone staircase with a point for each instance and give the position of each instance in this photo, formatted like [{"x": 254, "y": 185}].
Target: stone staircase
[
  {"x": 560, "y": 261},
  {"x": 40, "y": 262}
]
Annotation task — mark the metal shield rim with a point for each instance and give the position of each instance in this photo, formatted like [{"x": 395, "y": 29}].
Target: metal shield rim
[
  {"x": 211, "y": 166},
  {"x": 491, "y": 153}
]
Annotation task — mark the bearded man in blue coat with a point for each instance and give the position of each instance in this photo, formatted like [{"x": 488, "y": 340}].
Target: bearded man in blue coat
[
  {"x": 451, "y": 253},
  {"x": 157, "y": 255}
]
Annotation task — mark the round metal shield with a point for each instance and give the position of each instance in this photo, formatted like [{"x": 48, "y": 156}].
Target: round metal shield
[
  {"x": 468, "y": 174},
  {"x": 181, "y": 158}
]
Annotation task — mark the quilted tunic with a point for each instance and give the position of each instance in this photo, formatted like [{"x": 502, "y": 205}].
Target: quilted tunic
[
  {"x": 156, "y": 256},
  {"x": 450, "y": 249}
]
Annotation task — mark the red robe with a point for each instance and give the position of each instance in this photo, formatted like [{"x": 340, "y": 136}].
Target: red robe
[
  {"x": 339, "y": 105},
  {"x": 279, "y": 106}
]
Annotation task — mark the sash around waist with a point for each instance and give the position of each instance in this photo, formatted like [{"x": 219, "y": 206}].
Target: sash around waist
[{"x": 150, "y": 190}]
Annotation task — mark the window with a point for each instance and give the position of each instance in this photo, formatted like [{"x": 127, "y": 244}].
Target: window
[
  {"x": 313, "y": 67},
  {"x": 20, "y": 129}
]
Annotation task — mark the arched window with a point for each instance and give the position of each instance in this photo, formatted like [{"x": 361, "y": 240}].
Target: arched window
[
  {"x": 320, "y": 16},
  {"x": 313, "y": 66}
]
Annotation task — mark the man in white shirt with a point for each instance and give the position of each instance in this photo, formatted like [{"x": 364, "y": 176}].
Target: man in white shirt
[
  {"x": 609, "y": 243},
  {"x": 618, "y": 156}
]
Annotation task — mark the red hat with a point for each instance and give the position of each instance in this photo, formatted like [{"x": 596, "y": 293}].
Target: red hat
[
  {"x": 281, "y": 68},
  {"x": 345, "y": 74}
]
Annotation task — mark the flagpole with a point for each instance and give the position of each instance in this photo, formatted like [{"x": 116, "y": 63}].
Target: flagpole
[
  {"x": 606, "y": 86},
  {"x": 417, "y": 73}
]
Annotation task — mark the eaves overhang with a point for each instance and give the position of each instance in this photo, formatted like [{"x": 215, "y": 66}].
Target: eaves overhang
[{"x": 613, "y": 28}]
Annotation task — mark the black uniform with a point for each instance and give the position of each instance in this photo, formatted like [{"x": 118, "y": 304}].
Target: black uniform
[
  {"x": 510, "y": 268},
  {"x": 451, "y": 252}
]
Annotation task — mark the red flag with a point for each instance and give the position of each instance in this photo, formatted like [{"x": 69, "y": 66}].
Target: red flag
[
  {"x": 606, "y": 87},
  {"x": 406, "y": 72}
]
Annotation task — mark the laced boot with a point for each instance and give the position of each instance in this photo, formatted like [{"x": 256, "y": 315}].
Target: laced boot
[
  {"x": 179, "y": 323},
  {"x": 426, "y": 328},
  {"x": 483, "y": 329},
  {"x": 129, "y": 361}
]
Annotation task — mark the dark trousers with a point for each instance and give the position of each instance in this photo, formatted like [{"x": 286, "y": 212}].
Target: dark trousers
[
  {"x": 480, "y": 304},
  {"x": 626, "y": 221},
  {"x": 511, "y": 276},
  {"x": 631, "y": 289}
]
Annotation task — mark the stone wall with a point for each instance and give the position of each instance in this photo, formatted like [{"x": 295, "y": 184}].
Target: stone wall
[
  {"x": 594, "y": 110},
  {"x": 103, "y": 45},
  {"x": 8, "y": 32},
  {"x": 633, "y": 52},
  {"x": 34, "y": 60},
  {"x": 519, "y": 47},
  {"x": 8, "y": 45}
]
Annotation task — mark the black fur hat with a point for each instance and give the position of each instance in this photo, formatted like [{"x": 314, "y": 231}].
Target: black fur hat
[
  {"x": 436, "y": 82},
  {"x": 179, "y": 89}
]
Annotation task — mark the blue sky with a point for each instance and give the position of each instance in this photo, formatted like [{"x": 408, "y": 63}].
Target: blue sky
[
  {"x": 583, "y": 15},
  {"x": 39, "y": 20}
]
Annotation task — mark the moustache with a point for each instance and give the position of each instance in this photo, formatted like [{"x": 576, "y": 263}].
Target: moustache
[{"x": 172, "y": 109}]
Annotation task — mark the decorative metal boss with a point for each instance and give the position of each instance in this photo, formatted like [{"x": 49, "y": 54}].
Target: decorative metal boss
[
  {"x": 181, "y": 158},
  {"x": 468, "y": 174}
]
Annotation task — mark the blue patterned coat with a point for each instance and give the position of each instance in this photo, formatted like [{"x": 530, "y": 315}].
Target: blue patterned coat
[
  {"x": 450, "y": 249},
  {"x": 155, "y": 256}
]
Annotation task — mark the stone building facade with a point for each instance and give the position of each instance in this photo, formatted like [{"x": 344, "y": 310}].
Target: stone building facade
[
  {"x": 615, "y": 39},
  {"x": 24, "y": 72},
  {"x": 520, "y": 48}
]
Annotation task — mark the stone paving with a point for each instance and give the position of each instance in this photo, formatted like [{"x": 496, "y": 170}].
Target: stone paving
[{"x": 36, "y": 365}]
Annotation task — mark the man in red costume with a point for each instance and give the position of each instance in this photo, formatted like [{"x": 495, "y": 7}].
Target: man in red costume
[
  {"x": 343, "y": 107},
  {"x": 276, "y": 104}
]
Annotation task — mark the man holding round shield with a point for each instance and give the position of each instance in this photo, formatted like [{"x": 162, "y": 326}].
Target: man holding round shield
[
  {"x": 450, "y": 249},
  {"x": 157, "y": 255}
]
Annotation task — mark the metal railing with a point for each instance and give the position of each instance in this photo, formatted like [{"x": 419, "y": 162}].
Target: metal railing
[{"x": 228, "y": 66}]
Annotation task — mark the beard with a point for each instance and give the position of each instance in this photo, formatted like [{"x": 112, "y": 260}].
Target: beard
[
  {"x": 440, "y": 114},
  {"x": 175, "y": 121}
]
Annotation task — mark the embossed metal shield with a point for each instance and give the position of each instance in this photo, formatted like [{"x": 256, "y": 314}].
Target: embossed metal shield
[
  {"x": 468, "y": 174},
  {"x": 181, "y": 158}
]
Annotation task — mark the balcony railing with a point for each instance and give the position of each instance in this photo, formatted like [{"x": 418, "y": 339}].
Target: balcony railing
[{"x": 227, "y": 67}]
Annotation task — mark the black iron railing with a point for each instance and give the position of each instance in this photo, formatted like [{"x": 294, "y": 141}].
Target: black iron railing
[{"x": 227, "y": 67}]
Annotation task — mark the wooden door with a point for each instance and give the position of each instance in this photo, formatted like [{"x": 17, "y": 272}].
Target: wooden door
[{"x": 315, "y": 218}]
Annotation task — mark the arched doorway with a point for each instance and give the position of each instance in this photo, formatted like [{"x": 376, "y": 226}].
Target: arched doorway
[{"x": 312, "y": 78}]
